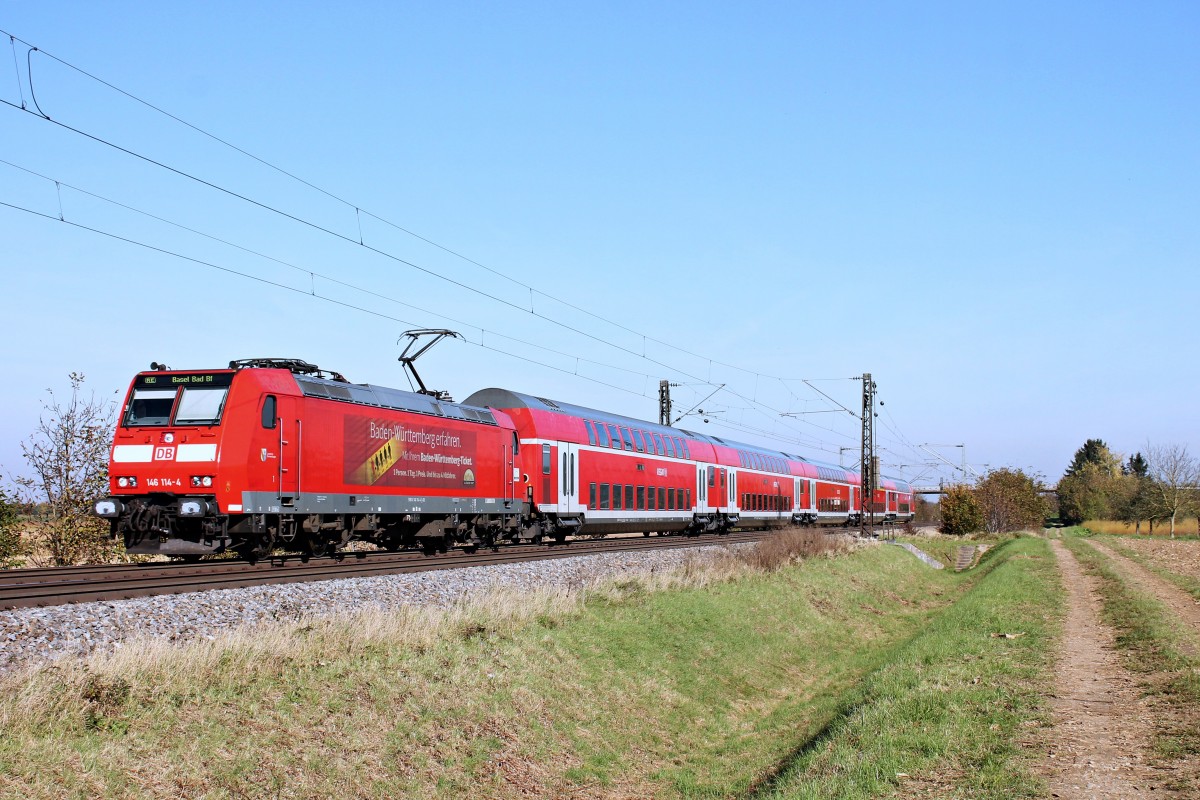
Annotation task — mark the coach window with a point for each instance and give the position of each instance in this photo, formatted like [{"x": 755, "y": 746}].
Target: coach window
[
  {"x": 638, "y": 444},
  {"x": 614, "y": 437},
  {"x": 628, "y": 438},
  {"x": 268, "y": 414},
  {"x": 689, "y": 498},
  {"x": 545, "y": 459},
  {"x": 591, "y": 495},
  {"x": 601, "y": 434},
  {"x": 670, "y": 499},
  {"x": 670, "y": 446},
  {"x": 658, "y": 445},
  {"x": 641, "y": 498},
  {"x": 587, "y": 423},
  {"x": 650, "y": 506},
  {"x": 712, "y": 476},
  {"x": 629, "y": 497}
]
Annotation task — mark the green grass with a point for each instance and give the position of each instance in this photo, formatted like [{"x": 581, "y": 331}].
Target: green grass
[
  {"x": 1154, "y": 646},
  {"x": 823, "y": 679},
  {"x": 950, "y": 707}
]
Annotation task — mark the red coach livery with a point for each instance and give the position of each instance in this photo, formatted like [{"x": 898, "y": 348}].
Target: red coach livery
[{"x": 276, "y": 453}]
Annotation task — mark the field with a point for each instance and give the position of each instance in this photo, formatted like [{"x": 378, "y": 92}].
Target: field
[
  {"x": 1183, "y": 527},
  {"x": 846, "y": 674}
]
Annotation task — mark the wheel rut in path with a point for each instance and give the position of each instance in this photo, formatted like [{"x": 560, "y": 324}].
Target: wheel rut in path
[
  {"x": 1102, "y": 732},
  {"x": 1180, "y": 603}
]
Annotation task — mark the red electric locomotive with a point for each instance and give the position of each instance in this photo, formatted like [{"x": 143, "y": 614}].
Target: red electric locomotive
[{"x": 274, "y": 453}]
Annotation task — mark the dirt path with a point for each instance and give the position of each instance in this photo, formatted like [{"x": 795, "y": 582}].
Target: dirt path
[
  {"x": 1182, "y": 604},
  {"x": 1101, "y": 733}
]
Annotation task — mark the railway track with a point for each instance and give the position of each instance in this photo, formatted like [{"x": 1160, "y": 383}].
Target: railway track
[{"x": 52, "y": 586}]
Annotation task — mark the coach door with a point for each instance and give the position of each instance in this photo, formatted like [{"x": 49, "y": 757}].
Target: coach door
[
  {"x": 290, "y": 442},
  {"x": 510, "y": 472},
  {"x": 568, "y": 499}
]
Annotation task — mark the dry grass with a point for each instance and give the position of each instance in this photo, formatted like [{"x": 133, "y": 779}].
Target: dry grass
[
  {"x": 1187, "y": 526},
  {"x": 790, "y": 547},
  {"x": 620, "y": 689}
]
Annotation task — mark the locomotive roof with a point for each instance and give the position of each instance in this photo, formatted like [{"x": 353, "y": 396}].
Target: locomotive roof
[
  {"x": 506, "y": 398},
  {"x": 384, "y": 397}
]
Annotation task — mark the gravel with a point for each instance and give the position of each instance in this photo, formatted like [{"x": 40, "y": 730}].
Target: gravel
[{"x": 33, "y": 635}]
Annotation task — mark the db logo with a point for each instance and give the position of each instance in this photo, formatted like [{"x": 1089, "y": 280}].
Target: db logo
[{"x": 164, "y": 454}]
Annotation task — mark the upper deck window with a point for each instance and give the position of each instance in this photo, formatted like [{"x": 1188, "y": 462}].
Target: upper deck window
[
  {"x": 150, "y": 407},
  {"x": 201, "y": 406}
]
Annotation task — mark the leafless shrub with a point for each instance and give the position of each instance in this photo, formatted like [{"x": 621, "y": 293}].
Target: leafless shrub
[
  {"x": 69, "y": 456},
  {"x": 788, "y": 547}
]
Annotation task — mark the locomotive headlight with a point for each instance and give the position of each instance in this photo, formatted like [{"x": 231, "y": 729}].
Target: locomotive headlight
[
  {"x": 206, "y": 481},
  {"x": 123, "y": 483},
  {"x": 195, "y": 481},
  {"x": 202, "y": 480}
]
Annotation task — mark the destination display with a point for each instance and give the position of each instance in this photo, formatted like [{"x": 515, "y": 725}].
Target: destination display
[{"x": 167, "y": 380}]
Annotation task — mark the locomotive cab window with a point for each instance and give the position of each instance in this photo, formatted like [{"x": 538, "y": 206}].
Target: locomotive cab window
[
  {"x": 268, "y": 411},
  {"x": 150, "y": 407},
  {"x": 201, "y": 406}
]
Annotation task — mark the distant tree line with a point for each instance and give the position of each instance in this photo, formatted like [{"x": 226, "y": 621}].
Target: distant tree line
[{"x": 1160, "y": 485}]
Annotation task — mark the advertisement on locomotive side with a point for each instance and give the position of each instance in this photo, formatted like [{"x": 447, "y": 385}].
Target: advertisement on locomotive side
[{"x": 387, "y": 453}]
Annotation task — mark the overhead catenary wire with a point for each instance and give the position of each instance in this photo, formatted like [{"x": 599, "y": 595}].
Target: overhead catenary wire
[
  {"x": 310, "y": 272},
  {"x": 437, "y": 275},
  {"x": 360, "y": 211},
  {"x": 372, "y": 312},
  {"x": 385, "y": 254},
  {"x": 286, "y": 287}
]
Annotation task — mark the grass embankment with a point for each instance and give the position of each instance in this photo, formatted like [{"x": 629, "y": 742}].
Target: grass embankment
[
  {"x": 1155, "y": 647},
  {"x": 824, "y": 679}
]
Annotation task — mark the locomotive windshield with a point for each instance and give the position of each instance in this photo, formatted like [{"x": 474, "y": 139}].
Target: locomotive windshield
[
  {"x": 201, "y": 406},
  {"x": 152, "y": 407}
]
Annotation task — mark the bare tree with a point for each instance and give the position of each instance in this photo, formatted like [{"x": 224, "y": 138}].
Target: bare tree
[
  {"x": 1174, "y": 481},
  {"x": 69, "y": 455}
]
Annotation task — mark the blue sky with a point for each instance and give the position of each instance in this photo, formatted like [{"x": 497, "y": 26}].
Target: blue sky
[{"x": 993, "y": 209}]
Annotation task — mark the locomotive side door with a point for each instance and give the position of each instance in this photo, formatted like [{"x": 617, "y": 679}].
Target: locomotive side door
[
  {"x": 290, "y": 441},
  {"x": 568, "y": 500}
]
